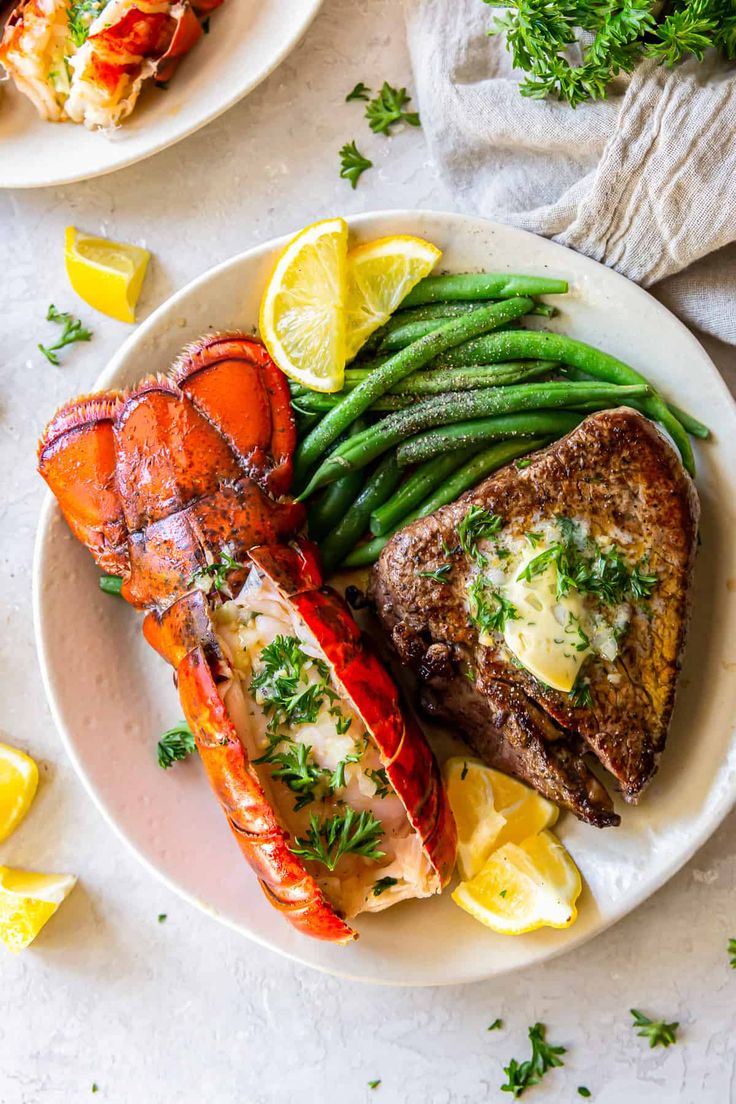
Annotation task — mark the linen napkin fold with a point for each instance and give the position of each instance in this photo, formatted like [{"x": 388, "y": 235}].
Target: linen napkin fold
[{"x": 644, "y": 181}]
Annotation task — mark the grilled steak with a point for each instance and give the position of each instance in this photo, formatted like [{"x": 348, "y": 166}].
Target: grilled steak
[{"x": 617, "y": 478}]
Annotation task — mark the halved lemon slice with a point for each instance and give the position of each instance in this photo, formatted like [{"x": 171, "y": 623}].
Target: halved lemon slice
[
  {"x": 106, "y": 274},
  {"x": 18, "y": 784},
  {"x": 525, "y": 811},
  {"x": 302, "y": 317},
  {"x": 381, "y": 274},
  {"x": 522, "y": 887},
  {"x": 470, "y": 792},
  {"x": 27, "y": 901}
]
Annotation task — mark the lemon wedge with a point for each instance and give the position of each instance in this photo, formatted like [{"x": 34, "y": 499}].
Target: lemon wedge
[
  {"x": 302, "y": 316},
  {"x": 381, "y": 274},
  {"x": 27, "y": 901},
  {"x": 18, "y": 784},
  {"x": 491, "y": 809},
  {"x": 470, "y": 793},
  {"x": 106, "y": 274},
  {"x": 522, "y": 887}
]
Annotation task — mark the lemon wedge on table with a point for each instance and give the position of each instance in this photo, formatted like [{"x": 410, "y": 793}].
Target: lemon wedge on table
[
  {"x": 27, "y": 901},
  {"x": 302, "y": 316},
  {"x": 491, "y": 809},
  {"x": 18, "y": 784},
  {"x": 522, "y": 887},
  {"x": 381, "y": 274},
  {"x": 106, "y": 274}
]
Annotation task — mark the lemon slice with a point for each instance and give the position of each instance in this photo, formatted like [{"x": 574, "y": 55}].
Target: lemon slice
[
  {"x": 381, "y": 274},
  {"x": 525, "y": 811},
  {"x": 27, "y": 901},
  {"x": 470, "y": 793},
  {"x": 522, "y": 887},
  {"x": 302, "y": 317},
  {"x": 106, "y": 274},
  {"x": 18, "y": 784}
]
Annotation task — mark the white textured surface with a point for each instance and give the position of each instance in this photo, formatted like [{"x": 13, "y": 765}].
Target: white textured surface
[{"x": 187, "y": 1010}]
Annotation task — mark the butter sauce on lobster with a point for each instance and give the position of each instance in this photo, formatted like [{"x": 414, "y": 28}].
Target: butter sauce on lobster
[{"x": 179, "y": 486}]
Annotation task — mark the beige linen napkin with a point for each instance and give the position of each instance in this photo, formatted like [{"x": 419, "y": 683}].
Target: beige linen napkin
[{"x": 644, "y": 181}]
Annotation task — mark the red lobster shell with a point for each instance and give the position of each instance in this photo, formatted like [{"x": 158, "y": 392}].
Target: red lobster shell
[{"x": 158, "y": 483}]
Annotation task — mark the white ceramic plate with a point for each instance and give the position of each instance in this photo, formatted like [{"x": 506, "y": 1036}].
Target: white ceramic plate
[
  {"x": 247, "y": 40},
  {"x": 111, "y": 696}
]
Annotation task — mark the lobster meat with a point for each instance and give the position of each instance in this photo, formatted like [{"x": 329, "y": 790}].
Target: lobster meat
[
  {"x": 179, "y": 486},
  {"x": 86, "y": 60}
]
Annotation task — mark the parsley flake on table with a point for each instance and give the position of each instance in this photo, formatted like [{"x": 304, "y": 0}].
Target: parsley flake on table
[
  {"x": 374, "y": 1084},
  {"x": 732, "y": 952},
  {"x": 495, "y": 1026},
  {"x": 360, "y": 92},
  {"x": 352, "y": 163},
  {"x": 162, "y": 917},
  {"x": 522, "y": 1075},
  {"x": 583, "y": 1090},
  {"x": 73, "y": 331},
  {"x": 658, "y": 1032},
  {"x": 175, "y": 744},
  {"x": 387, "y": 108}
]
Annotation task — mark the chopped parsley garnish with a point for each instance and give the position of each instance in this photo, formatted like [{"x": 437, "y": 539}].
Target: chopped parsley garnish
[
  {"x": 581, "y": 643},
  {"x": 162, "y": 917},
  {"x": 533, "y": 538},
  {"x": 73, "y": 331},
  {"x": 360, "y": 92},
  {"x": 521, "y": 464},
  {"x": 379, "y": 778},
  {"x": 464, "y": 771},
  {"x": 503, "y": 892},
  {"x": 80, "y": 16},
  {"x": 440, "y": 574},
  {"x": 478, "y": 524},
  {"x": 374, "y": 1084},
  {"x": 282, "y": 686},
  {"x": 387, "y": 108},
  {"x": 580, "y": 695},
  {"x": 383, "y": 884},
  {"x": 583, "y": 566},
  {"x": 352, "y": 163},
  {"x": 583, "y": 1090},
  {"x": 344, "y": 833},
  {"x": 732, "y": 952},
  {"x": 489, "y": 609},
  {"x": 658, "y": 1032},
  {"x": 337, "y": 778},
  {"x": 522, "y": 1075},
  {"x": 495, "y": 1025},
  {"x": 214, "y": 576},
  {"x": 292, "y": 766},
  {"x": 175, "y": 744}
]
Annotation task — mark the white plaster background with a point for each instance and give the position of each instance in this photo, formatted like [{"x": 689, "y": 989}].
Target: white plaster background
[{"x": 187, "y": 1011}]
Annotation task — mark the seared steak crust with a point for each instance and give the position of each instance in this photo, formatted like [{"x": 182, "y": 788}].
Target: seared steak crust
[{"x": 618, "y": 474}]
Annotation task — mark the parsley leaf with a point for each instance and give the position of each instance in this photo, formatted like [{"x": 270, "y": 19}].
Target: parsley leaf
[
  {"x": 214, "y": 576},
  {"x": 80, "y": 16},
  {"x": 360, "y": 92},
  {"x": 495, "y": 1026},
  {"x": 73, "y": 331},
  {"x": 374, "y": 1084},
  {"x": 352, "y": 163},
  {"x": 522, "y": 1075},
  {"x": 294, "y": 767},
  {"x": 489, "y": 609},
  {"x": 349, "y": 832},
  {"x": 383, "y": 884},
  {"x": 580, "y": 695},
  {"x": 732, "y": 952},
  {"x": 478, "y": 524},
  {"x": 175, "y": 744},
  {"x": 282, "y": 687},
  {"x": 387, "y": 108},
  {"x": 440, "y": 574},
  {"x": 583, "y": 1090},
  {"x": 658, "y": 1032}
]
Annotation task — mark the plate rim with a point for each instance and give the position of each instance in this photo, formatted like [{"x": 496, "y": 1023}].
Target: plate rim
[
  {"x": 291, "y": 41},
  {"x": 724, "y": 804}
]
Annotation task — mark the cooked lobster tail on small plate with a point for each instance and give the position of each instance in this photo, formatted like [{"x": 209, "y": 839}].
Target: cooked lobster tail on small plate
[{"x": 179, "y": 487}]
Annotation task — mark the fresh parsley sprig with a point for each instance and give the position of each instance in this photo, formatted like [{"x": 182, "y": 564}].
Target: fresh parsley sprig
[
  {"x": 350, "y": 832},
  {"x": 353, "y": 164},
  {"x": 657, "y": 1032},
  {"x": 73, "y": 331},
  {"x": 282, "y": 685},
  {"x": 386, "y": 109},
  {"x": 522, "y": 1075},
  {"x": 175, "y": 745}
]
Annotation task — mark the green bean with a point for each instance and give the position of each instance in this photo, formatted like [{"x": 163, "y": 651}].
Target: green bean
[
  {"x": 400, "y": 336},
  {"x": 324, "y": 514},
  {"x": 454, "y": 332},
  {"x": 354, "y": 522},
  {"x": 317, "y": 402},
  {"x": 481, "y": 285},
  {"x": 458, "y": 406},
  {"x": 481, "y": 465},
  {"x": 600, "y": 365},
  {"x": 111, "y": 584},
  {"x": 462, "y": 435},
  {"x": 415, "y": 489},
  {"x": 688, "y": 423}
]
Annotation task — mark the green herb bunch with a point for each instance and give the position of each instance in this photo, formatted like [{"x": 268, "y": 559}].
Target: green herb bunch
[{"x": 613, "y": 36}]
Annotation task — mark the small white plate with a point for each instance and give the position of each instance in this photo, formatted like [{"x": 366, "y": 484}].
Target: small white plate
[
  {"x": 247, "y": 40},
  {"x": 111, "y": 696}
]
